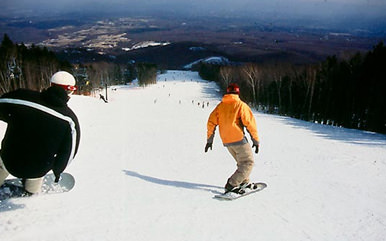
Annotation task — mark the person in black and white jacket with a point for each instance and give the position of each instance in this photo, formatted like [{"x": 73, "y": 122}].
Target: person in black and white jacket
[{"x": 42, "y": 134}]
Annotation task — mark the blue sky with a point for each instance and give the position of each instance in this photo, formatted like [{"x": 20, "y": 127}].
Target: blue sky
[{"x": 361, "y": 5}]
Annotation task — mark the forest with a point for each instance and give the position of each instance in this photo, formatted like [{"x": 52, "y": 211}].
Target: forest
[
  {"x": 340, "y": 92},
  {"x": 32, "y": 67},
  {"x": 27, "y": 67}
]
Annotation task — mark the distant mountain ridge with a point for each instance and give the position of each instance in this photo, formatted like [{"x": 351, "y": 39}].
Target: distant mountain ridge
[{"x": 166, "y": 40}]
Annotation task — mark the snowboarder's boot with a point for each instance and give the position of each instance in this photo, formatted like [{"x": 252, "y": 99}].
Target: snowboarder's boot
[{"x": 230, "y": 188}]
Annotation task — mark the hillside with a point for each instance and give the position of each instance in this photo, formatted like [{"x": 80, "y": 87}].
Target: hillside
[
  {"x": 108, "y": 37},
  {"x": 142, "y": 175}
]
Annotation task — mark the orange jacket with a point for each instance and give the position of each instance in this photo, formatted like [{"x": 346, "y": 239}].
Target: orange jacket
[{"x": 232, "y": 115}]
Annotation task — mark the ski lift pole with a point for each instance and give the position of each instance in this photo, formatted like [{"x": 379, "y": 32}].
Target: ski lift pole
[{"x": 106, "y": 92}]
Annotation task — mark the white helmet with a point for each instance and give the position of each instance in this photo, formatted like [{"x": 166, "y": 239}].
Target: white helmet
[{"x": 64, "y": 80}]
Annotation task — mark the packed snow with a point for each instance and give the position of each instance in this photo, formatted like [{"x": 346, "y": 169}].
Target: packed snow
[{"x": 142, "y": 174}]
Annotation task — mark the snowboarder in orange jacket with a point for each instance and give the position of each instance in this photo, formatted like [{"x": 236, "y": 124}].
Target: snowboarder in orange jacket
[{"x": 232, "y": 116}]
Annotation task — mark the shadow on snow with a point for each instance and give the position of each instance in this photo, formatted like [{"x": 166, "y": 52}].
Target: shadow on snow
[
  {"x": 179, "y": 184},
  {"x": 351, "y": 136},
  {"x": 7, "y": 205}
]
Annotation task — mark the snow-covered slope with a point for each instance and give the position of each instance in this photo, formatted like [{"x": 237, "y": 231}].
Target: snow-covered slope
[
  {"x": 211, "y": 60},
  {"x": 142, "y": 175}
]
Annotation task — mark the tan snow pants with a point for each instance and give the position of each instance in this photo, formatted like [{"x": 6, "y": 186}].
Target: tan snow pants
[
  {"x": 244, "y": 157},
  {"x": 32, "y": 185},
  {"x": 3, "y": 172}
]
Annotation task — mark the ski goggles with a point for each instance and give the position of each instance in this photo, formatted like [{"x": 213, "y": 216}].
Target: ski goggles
[{"x": 70, "y": 88}]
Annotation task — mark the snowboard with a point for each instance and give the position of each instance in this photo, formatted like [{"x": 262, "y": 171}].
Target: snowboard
[
  {"x": 232, "y": 196},
  {"x": 13, "y": 188}
]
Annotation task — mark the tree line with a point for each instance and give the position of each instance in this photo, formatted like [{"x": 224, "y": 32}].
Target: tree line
[
  {"x": 341, "y": 92},
  {"x": 32, "y": 67},
  {"x": 22, "y": 67}
]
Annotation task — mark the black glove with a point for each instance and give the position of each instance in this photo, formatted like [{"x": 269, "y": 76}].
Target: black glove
[
  {"x": 208, "y": 145},
  {"x": 257, "y": 148},
  {"x": 57, "y": 178}
]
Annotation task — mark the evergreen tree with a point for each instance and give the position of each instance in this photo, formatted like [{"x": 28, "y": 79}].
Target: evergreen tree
[{"x": 147, "y": 73}]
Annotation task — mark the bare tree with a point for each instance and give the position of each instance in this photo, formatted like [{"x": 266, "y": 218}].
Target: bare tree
[
  {"x": 11, "y": 75},
  {"x": 226, "y": 75},
  {"x": 252, "y": 73},
  {"x": 310, "y": 80},
  {"x": 5, "y": 81},
  {"x": 278, "y": 73}
]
